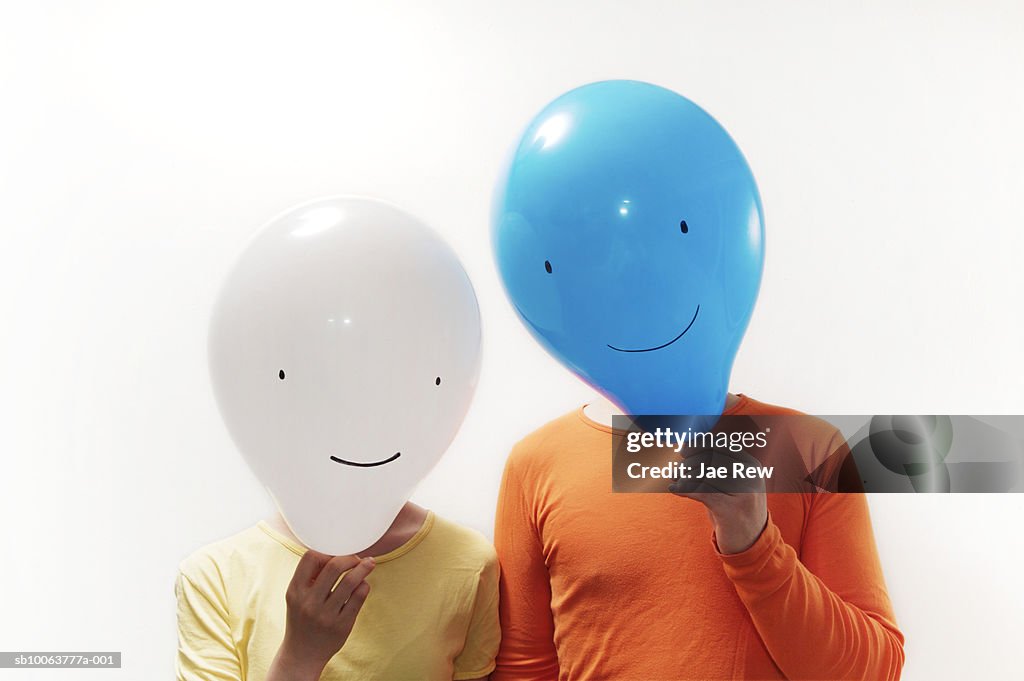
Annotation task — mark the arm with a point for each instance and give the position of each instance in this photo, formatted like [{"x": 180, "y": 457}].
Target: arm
[
  {"x": 825, "y": 613},
  {"x": 527, "y": 649},
  {"x": 822, "y": 613},
  {"x": 476, "y": 660},
  {"x": 206, "y": 649}
]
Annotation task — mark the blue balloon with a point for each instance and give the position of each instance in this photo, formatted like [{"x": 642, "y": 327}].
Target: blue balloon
[{"x": 629, "y": 234}]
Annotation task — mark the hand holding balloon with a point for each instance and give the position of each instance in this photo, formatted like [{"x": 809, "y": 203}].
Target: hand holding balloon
[
  {"x": 736, "y": 506},
  {"x": 320, "y": 618}
]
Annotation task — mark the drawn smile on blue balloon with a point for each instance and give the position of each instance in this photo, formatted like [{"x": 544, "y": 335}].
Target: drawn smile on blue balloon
[
  {"x": 663, "y": 345},
  {"x": 359, "y": 464}
]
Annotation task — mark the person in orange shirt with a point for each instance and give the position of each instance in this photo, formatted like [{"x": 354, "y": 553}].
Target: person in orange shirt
[
  {"x": 600, "y": 585},
  {"x": 629, "y": 234}
]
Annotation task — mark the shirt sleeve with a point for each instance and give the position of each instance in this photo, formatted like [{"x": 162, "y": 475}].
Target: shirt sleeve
[
  {"x": 527, "y": 651},
  {"x": 824, "y": 613},
  {"x": 477, "y": 657},
  {"x": 206, "y": 651}
]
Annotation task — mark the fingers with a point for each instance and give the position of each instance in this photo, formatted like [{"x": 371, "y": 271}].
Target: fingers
[
  {"x": 711, "y": 470},
  {"x": 328, "y": 576},
  {"x": 698, "y": 488},
  {"x": 347, "y": 618},
  {"x": 704, "y": 492},
  {"x": 352, "y": 580},
  {"x": 310, "y": 565},
  {"x": 716, "y": 457},
  {"x": 689, "y": 488}
]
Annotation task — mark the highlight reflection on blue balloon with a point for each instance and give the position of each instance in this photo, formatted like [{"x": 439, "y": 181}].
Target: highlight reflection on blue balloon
[{"x": 629, "y": 234}]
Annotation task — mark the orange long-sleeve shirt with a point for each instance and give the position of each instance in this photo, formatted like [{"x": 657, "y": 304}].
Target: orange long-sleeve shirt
[{"x": 599, "y": 585}]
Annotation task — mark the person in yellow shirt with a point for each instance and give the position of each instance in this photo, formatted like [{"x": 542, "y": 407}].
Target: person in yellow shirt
[
  {"x": 344, "y": 349},
  {"x": 421, "y": 603}
]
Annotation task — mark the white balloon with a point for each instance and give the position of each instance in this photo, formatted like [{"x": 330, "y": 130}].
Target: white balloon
[{"x": 344, "y": 350}]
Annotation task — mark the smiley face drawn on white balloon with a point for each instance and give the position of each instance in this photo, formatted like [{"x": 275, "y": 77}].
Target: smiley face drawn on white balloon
[{"x": 344, "y": 349}]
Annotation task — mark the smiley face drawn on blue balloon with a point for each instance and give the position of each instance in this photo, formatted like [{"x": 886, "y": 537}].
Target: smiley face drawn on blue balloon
[{"x": 629, "y": 234}]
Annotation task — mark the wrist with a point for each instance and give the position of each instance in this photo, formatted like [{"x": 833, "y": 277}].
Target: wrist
[
  {"x": 296, "y": 663},
  {"x": 737, "y": 537}
]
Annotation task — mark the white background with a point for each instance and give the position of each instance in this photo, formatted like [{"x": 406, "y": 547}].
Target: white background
[{"x": 142, "y": 143}]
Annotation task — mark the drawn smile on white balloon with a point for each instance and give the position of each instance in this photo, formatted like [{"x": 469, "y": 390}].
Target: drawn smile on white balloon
[
  {"x": 663, "y": 345},
  {"x": 371, "y": 464}
]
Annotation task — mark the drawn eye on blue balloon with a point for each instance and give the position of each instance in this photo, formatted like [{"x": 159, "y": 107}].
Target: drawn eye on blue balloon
[{"x": 648, "y": 224}]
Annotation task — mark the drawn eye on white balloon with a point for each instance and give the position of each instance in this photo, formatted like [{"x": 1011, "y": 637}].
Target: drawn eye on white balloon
[{"x": 360, "y": 464}]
